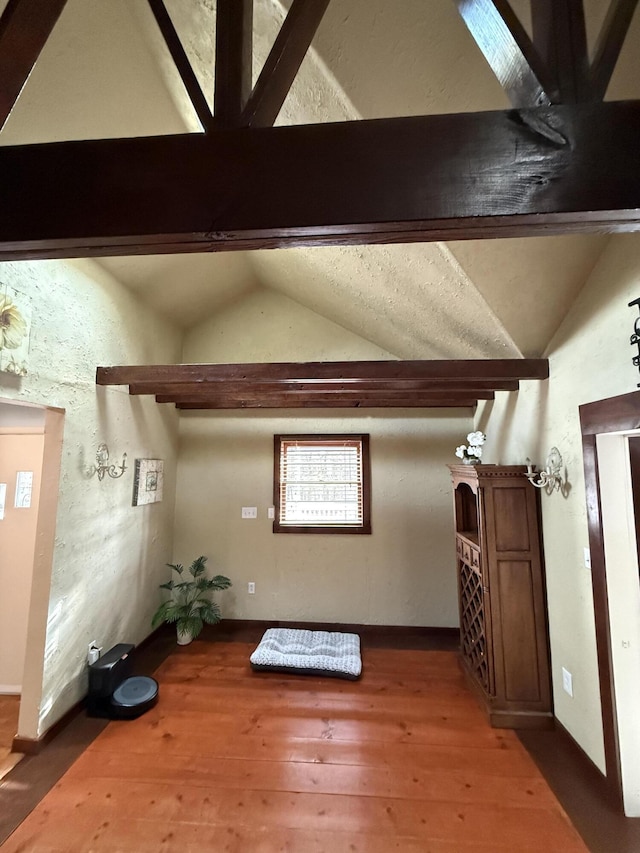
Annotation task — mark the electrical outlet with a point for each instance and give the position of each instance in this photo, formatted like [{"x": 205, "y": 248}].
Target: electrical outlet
[
  {"x": 251, "y": 588},
  {"x": 93, "y": 652},
  {"x": 271, "y": 512},
  {"x": 567, "y": 681},
  {"x": 249, "y": 511}
]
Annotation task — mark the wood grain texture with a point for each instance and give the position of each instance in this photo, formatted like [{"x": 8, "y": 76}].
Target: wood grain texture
[
  {"x": 239, "y": 761},
  {"x": 558, "y": 169}
]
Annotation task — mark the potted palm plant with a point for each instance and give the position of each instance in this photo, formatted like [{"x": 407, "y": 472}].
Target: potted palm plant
[{"x": 190, "y": 605}]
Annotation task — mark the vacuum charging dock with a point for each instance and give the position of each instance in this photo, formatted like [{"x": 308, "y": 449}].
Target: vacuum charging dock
[{"x": 113, "y": 692}]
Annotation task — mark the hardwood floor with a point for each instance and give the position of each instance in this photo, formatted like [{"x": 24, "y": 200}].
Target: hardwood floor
[
  {"x": 9, "y": 708},
  {"x": 231, "y": 760}
]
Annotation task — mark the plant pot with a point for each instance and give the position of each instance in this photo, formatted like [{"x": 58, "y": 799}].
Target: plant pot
[{"x": 184, "y": 637}]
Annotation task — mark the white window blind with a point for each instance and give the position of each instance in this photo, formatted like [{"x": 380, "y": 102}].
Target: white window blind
[{"x": 321, "y": 483}]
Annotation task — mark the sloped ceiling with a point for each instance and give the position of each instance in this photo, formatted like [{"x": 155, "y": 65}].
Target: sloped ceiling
[{"x": 370, "y": 58}]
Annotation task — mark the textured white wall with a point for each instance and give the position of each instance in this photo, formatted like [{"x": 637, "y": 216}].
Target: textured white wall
[
  {"x": 590, "y": 359},
  {"x": 403, "y": 574},
  {"x": 109, "y": 556}
]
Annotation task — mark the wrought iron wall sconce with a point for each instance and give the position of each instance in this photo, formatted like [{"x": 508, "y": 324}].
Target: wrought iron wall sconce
[
  {"x": 551, "y": 477},
  {"x": 103, "y": 467},
  {"x": 635, "y": 337}
]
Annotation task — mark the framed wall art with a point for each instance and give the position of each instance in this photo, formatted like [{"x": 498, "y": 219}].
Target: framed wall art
[{"x": 148, "y": 481}]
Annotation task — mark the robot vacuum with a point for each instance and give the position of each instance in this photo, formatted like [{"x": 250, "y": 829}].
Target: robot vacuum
[{"x": 113, "y": 692}]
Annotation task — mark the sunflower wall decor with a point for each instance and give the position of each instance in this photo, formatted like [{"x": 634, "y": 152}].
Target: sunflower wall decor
[{"x": 15, "y": 327}]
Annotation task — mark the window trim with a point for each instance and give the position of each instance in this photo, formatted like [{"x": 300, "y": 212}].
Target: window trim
[{"x": 365, "y": 527}]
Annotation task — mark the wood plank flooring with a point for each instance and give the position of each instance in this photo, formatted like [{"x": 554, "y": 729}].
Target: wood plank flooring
[
  {"x": 9, "y": 710},
  {"x": 231, "y": 760}
]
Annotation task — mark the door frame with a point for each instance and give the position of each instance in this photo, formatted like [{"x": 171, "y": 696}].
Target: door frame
[{"x": 616, "y": 414}]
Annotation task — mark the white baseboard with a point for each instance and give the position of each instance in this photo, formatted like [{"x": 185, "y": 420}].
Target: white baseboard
[{"x": 11, "y": 689}]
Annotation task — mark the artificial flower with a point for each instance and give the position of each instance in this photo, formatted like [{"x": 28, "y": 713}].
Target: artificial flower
[{"x": 13, "y": 326}]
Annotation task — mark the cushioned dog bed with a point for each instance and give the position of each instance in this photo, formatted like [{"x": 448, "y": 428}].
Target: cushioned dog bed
[{"x": 308, "y": 653}]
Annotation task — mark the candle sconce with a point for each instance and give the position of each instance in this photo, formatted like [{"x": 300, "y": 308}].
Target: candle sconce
[
  {"x": 103, "y": 466},
  {"x": 551, "y": 477}
]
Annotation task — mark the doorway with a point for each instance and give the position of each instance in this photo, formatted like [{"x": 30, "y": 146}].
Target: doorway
[
  {"x": 607, "y": 428},
  {"x": 30, "y": 454}
]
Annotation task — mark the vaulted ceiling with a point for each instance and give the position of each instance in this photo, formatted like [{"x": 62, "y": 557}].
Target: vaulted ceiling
[{"x": 105, "y": 72}]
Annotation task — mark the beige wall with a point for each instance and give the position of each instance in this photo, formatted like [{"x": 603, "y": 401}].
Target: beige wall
[
  {"x": 109, "y": 556},
  {"x": 20, "y": 450},
  {"x": 403, "y": 574},
  {"x": 590, "y": 359}
]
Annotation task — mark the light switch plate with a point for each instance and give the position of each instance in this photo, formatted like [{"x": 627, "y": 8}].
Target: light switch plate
[
  {"x": 587, "y": 558},
  {"x": 249, "y": 511}
]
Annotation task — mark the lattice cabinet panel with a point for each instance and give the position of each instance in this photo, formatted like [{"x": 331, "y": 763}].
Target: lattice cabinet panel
[{"x": 473, "y": 639}]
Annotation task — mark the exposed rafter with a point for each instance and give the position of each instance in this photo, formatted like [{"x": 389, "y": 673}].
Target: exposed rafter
[
  {"x": 554, "y": 66},
  {"x": 508, "y": 50},
  {"x": 560, "y": 37},
  {"x": 545, "y": 171},
  {"x": 283, "y": 62},
  {"x": 181, "y": 61},
  {"x": 25, "y": 26},
  {"x": 347, "y": 384},
  {"x": 609, "y": 44},
  {"x": 234, "y": 47}
]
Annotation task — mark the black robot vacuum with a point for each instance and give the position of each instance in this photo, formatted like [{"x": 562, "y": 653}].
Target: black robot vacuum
[{"x": 114, "y": 692}]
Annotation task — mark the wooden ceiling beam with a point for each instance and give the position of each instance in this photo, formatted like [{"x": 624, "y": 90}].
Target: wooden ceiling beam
[
  {"x": 233, "y": 69},
  {"x": 363, "y": 402},
  {"x": 508, "y": 50},
  {"x": 182, "y": 63},
  {"x": 419, "y": 178},
  {"x": 471, "y": 370},
  {"x": 276, "y": 399},
  {"x": 25, "y": 25},
  {"x": 283, "y": 62},
  {"x": 239, "y": 387}
]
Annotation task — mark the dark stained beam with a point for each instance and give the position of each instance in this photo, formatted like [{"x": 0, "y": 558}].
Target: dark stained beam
[
  {"x": 234, "y": 48},
  {"x": 239, "y": 388},
  {"x": 508, "y": 50},
  {"x": 182, "y": 63},
  {"x": 282, "y": 399},
  {"x": 283, "y": 62},
  {"x": 563, "y": 169},
  {"x": 411, "y": 402},
  {"x": 609, "y": 45},
  {"x": 468, "y": 370},
  {"x": 25, "y": 26},
  {"x": 560, "y": 38}
]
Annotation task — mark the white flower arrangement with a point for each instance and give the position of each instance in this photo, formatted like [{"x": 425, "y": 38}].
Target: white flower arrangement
[{"x": 472, "y": 451}]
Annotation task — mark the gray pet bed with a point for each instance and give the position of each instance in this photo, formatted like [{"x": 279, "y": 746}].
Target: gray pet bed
[{"x": 308, "y": 653}]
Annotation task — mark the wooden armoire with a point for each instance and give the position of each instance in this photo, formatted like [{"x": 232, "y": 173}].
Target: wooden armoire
[{"x": 504, "y": 646}]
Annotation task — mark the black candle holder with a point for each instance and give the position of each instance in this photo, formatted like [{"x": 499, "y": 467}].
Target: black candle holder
[{"x": 635, "y": 337}]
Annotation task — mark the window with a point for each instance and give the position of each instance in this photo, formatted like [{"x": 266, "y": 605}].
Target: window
[{"x": 322, "y": 484}]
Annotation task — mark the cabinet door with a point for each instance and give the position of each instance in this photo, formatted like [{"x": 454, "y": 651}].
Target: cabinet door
[{"x": 519, "y": 627}]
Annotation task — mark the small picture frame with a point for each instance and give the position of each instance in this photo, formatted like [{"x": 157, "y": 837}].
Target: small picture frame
[{"x": 148, "y": 481}]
